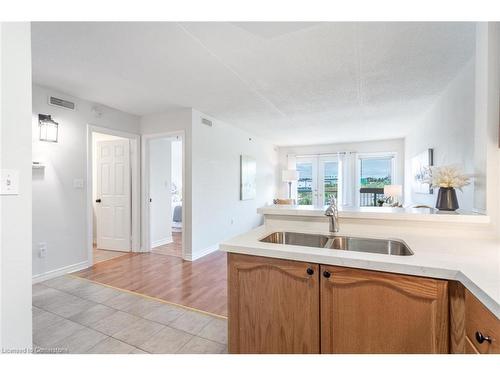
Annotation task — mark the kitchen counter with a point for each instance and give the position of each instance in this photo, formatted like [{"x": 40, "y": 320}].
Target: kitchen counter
[
  {"x": 380, "y": 213},
  {"x": 474, "y": 261}
]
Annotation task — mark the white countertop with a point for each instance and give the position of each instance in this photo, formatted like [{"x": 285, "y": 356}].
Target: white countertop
[
  {"x": 381, "y": 213},
  {"x": 475, "y": 262}
]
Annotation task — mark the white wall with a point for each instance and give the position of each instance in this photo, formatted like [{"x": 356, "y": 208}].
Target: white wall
[
  {"x": 213, "y": 211},
  {"x": 160, "y": 182},
  {"x": 177, "y": 164},
  {"x": 59, "y": 210},
  {"x": 448, "y": 128},
  {"x": 218, "y": 212},
  {"x": 15, "y": 210},
  {"x": 388, "y": 145}
]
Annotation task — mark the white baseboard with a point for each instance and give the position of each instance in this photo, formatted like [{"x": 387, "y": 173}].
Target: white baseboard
[
  {"x": 203, "y": 252},
  {"x": 59, "y": 272},
  {"x": 161, "y": 242}
]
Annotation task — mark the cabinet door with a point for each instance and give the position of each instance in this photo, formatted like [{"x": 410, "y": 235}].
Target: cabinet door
[
  {"x": 273, "y": 305},
  {"x": 480, "y": 321},
  {"x": 376, "y": 312}
]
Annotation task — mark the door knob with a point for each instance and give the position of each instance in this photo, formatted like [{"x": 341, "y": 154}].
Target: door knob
[
  {"x": 480, "y": 338},
  {"x": 98, "y": 200},
  {"x": 310, "y": 271},
  {"x": 327, "y": 274}
]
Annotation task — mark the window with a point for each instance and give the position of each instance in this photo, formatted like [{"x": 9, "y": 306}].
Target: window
[
  {"x": 354, "y": 179},
  {"x": 374, "y": 173}
]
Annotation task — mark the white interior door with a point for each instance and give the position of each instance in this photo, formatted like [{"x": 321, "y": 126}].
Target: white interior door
[
  {"x": 113, "y": 203},
  {"x": 160, "y": 191}
]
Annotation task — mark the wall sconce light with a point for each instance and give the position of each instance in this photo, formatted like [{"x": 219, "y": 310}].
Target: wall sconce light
[{"x": 48, "y": 128}]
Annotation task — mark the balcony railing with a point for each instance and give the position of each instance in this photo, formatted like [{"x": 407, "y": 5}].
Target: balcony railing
[{"x": 370, "y": 196}]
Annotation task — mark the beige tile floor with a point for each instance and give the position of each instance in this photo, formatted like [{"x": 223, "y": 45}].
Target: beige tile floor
[{"x": 77, "y": 316}]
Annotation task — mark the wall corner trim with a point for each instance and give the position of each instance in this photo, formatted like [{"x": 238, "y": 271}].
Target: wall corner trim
[
  {"x": 163, "y": 241},
  {"x": 202, "y": 253}
]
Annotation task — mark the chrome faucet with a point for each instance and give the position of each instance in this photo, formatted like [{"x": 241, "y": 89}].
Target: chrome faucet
[{"x": 332, "y": 213}]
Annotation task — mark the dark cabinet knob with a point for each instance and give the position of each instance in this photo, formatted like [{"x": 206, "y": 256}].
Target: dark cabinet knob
[
  {"x": 310, "y": 271},
  {"x": 98, "y": 201},
  {"x": 327, "y": 274},
  {"x": 480, "y": 338}
]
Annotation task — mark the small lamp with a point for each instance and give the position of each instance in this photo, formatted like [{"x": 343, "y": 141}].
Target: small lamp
[
  {"x": 289, "y": 175},
  {"x": 48, "y": 128},
  {"x": 393, "y": 192}
]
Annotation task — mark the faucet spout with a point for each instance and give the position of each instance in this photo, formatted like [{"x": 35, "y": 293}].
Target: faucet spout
[{"x": 332, "y": 213}]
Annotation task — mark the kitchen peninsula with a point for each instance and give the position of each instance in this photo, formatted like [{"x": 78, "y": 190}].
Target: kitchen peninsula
[{"x": 294, "y": 298}]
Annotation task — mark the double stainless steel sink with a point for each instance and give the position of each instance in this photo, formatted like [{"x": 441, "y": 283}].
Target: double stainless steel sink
[{"x": 367, "y": 245}]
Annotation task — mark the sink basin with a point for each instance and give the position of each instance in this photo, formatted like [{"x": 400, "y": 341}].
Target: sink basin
[{"x": 366, "y": 245}]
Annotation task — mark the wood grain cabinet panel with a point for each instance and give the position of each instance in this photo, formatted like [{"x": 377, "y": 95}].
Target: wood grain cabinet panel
[
  {"x": 377, "y": 312},
  {"x": 469, "y": 347},
  {"x": 479, "y": 320},
  {"x": 273, "y": 305}
]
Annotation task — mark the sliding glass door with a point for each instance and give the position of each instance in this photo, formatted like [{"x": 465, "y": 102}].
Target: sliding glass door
[{"x": 318, "y": 180}]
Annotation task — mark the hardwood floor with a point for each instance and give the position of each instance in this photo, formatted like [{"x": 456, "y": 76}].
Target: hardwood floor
[
  {"x": 174, "y": 248},
  {"x": 201, "y": 284},
  {"x": 103, "y": 255}
]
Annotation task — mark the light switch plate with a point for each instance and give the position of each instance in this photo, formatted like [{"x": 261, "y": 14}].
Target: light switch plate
[{"x": 9, "y": 182}]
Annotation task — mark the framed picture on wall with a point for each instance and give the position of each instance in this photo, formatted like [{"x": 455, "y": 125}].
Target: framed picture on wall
[
  {"x": 420, "y": 168},
  {"x": 248, "y": 172}
]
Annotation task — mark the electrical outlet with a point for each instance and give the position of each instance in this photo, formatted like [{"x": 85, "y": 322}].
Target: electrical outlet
[{"x": 42, "y": 249}]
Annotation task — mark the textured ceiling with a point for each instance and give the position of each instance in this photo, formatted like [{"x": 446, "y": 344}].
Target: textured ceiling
[{"x": 292, "y": 82}]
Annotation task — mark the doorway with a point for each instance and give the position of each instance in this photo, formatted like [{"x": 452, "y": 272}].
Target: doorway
[
  {"x": 165, "y": 195},
  {"x": 113, "y": 194},
  {"x": 319, "y": 179}
]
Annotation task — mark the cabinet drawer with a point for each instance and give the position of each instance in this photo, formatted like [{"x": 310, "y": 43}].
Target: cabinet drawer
[{"x": 478, "y": 319}]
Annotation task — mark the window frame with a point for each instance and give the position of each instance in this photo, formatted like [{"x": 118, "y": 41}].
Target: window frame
[{"x": 374, "y": 155}]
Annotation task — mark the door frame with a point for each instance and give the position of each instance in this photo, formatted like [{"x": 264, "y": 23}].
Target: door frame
[
  {"x": 145, "y": 175},
  {"x": 134, "y": 193}
]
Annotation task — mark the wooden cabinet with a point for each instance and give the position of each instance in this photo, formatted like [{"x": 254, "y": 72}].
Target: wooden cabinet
[
  {"x": 481, "y": 326},
  {"x": 469, "y": 347},
  {"x": 281, "y": 306},
  {"x": 273, "y": 305},
  {"x": 377, "y": 312}
]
